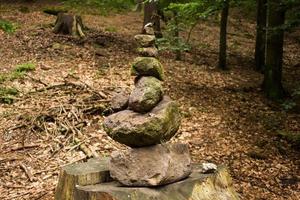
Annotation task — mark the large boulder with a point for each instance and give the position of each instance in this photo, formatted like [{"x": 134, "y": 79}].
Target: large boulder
[
  {"x": 151, "y": 166},
  {"x": 137, "y": 130},
  {"x": 145, "y": 40},
  {"x": 147, "y": 66},
  {"x": 147, "y": 93},
  {"x": 148, "y": 51}
]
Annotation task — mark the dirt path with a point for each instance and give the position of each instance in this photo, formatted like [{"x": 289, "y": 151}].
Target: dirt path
[{"x": 226, "y": 118}]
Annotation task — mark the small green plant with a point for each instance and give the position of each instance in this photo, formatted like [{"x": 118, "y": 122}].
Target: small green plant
[
  {"x": 7, "y": 95},
  {"x": 292, "y": 137},
  {"x": 21, "y": 70},
  {"x": 7, "y": 26},
  {"x": 288, "y": 105},
  {"x": 111, "y": 29},
  {"x": 18, "y": 72}
]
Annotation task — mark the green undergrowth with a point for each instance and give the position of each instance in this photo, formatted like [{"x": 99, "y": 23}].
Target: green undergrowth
[
  {"x": 292, "y": 137},
  {"x": 98, "y": 7},
  {"x": 18, "y": 72},
  {"x": 7, "y": 26},
  {"x": 8, "y": 94}
]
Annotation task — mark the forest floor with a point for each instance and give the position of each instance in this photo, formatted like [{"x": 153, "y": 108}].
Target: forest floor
[{"x": 227, "y": 120}]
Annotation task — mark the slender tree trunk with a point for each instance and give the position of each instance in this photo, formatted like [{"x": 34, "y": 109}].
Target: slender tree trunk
[
  {"x": 139, "y": 5},
  {"x": 223, "y": 35},
  {"x": 272, "y": 85},
  {"x": 176, "y": 36},
  {"x": 260, "y": 45},
  {"x": 151, "y": 15}
]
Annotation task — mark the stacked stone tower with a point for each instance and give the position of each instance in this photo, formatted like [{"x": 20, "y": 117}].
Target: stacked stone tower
[
  {"x": 149, "y": 119},
  {"x": 144, "y": 120}
]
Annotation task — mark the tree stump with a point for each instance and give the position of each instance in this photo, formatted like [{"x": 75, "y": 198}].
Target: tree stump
[
  {"x": 91, "y": 181},
  {"x": 92, "y": 172},
  {"x": 69, "y": 24}
]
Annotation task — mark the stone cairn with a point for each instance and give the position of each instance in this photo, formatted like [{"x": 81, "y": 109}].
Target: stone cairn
[{"x": 144, "y": 120}]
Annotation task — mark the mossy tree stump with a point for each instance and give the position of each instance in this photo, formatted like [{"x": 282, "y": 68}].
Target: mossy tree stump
[
  {"x": 91, "y": 181},
  {"x": 94, "y": 171},
  {"x": 69, "y": 24}
]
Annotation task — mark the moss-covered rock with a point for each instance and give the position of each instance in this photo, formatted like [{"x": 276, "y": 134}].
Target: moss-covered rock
[
  {"x": 147, "y": 93},
  {"x": 147, "y": 66},
  {"x": 145, "y": 40},
  {"x": 148, "y": 51},
  {"x": 137, "y": 130}
]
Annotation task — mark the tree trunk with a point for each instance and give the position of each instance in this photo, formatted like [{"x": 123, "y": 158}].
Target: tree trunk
[
  {"x": 69, "y": 24},
  {"x": 223, "y": 35},
  {"x": 260, "y": 45},
  {"x": 139, "y": 5},
  {"x": 272, "y": 85},
  {"x": 176, "y": 36},
  {"x": 151, "y": 16}
]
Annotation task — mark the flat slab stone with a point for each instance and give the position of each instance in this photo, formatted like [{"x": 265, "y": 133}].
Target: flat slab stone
[
  {"x": 214, "y": 186},
  {"x": 151, "y": 166}
]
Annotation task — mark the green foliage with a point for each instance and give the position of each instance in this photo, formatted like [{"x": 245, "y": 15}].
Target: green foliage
[
  {"x": 7, "y": 95},
  {"x": 7, "y": 26},
  {"x": 111, "y": 29},
  {"x": 18, "y": 72},
  {"x": 103, "y": 6},
  {"x": 292, "y": 137}
]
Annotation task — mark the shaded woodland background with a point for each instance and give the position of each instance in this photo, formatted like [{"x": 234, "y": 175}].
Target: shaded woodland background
[{"x": 55, "y": 91}]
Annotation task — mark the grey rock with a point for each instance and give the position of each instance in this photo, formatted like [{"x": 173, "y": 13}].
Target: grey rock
[
  {"x": 147, "y": 93},
  {"x": 147, "y": 66},
  {"x": 151, "y": 166},
  {"x": 137, "y": 130},
  {"x": 148, "y": 52},
  {"x": 119, "y": 100},
  {"x": 145, "y": 40}
]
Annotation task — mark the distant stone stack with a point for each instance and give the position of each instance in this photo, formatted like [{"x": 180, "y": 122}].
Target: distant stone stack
[{"x": 145, "y": 120}]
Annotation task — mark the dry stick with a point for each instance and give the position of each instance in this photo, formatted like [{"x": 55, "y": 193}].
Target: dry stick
[
  {"x": 37, "y": 80},
  {"x": 23, "y": 147},
  {"x": 84, "y": 149},
  {"x": 27, "y": 172}
]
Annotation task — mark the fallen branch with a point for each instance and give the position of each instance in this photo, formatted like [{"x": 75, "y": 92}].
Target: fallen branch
[
  {"x": 27, "y": 172},
  {"x": 23, "y": 147}
]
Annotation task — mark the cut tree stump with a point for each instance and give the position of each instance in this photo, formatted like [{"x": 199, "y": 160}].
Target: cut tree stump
[
  {"x": 78, "y": 182},
  {"x": 69, "y": 24},
  {"x": 92, "y": 172}
]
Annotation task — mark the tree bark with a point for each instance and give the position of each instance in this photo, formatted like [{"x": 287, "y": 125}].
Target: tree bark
[
  {"x": 223, "y": 35},
  {"x": 176, "y": 36},
  {"x": 69, "y": 24},
  {"x": 260, "y": 45},
  {"x": 272, "y": 84},
  {"x": 139, "y": 6},
  {"x": 151, "y": 16}
]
